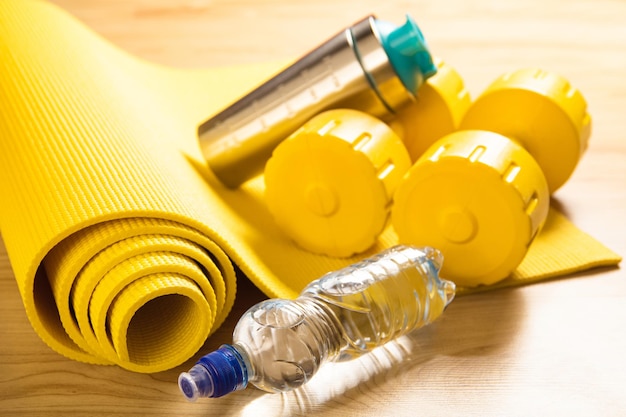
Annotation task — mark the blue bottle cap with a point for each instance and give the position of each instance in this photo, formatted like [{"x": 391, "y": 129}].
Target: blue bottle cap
[
  {"x": 214, "y": 375},
  {"x": 407, "y": 51}
]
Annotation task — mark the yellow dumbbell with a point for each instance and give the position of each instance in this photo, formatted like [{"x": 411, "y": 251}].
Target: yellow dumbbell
[
  {"x": 329, "y": 186},
  {"x": 481, "y": 194}
]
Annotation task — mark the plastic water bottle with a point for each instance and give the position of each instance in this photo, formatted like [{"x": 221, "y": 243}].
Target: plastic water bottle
[{"x": 278, "y": 344}]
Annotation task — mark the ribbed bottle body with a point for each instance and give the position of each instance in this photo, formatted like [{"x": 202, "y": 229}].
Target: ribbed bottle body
[{"x": 385, "y": 296}]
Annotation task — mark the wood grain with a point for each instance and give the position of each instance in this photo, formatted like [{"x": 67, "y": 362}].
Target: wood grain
[{"x": 551, "y": 348}]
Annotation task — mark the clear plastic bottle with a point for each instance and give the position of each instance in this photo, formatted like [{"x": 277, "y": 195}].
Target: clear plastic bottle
[{"x": 278, "y": 344}]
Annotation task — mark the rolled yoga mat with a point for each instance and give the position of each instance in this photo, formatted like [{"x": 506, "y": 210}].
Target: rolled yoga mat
[{"x": 121, "y": 240}]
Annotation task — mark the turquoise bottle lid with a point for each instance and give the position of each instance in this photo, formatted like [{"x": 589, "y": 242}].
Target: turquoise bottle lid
[{"x": 407, "y": 51}]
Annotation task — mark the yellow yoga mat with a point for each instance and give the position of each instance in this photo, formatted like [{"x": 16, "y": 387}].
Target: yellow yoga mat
[{"x": 121, "y": 240}]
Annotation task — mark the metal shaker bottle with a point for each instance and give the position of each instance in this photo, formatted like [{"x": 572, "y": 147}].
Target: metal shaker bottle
[{"x": 372, "y": 66}]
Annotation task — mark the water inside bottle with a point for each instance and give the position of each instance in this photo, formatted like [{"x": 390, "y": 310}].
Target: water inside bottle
[{"x": 385, "y": 297}]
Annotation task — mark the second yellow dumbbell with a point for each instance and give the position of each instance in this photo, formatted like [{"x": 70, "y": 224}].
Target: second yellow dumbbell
[{"x": 481, "y": 194}]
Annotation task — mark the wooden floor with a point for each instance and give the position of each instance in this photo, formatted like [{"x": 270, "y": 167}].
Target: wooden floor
[{"x": 555, "y": 348}]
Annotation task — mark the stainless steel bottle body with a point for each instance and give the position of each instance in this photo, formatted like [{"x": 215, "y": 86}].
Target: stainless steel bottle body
[{"x": 350, "y": 70}]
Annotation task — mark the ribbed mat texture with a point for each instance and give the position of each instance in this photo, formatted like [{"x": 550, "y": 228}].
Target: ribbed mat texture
[{"x": 121, "y": 240}]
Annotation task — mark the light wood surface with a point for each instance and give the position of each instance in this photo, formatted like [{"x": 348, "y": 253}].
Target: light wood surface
[{"x": 555, "y": 348}]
